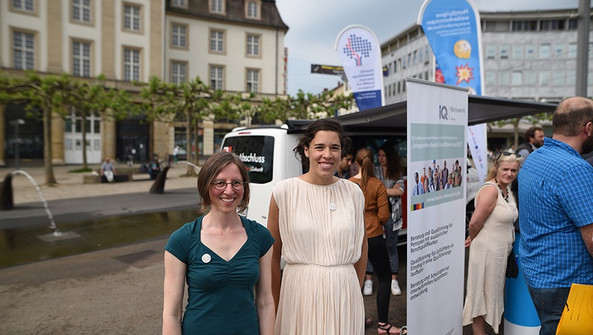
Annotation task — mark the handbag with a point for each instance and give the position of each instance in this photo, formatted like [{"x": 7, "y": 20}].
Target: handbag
[
  {"x": 512, "y": 267},
  {"x": 577, "y": 318}
]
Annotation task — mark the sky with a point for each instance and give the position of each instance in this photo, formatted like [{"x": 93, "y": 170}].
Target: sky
[{"x": 314, "y": 26}]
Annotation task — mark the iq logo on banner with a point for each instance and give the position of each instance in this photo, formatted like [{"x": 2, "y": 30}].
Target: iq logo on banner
[
  {"x": 356, "y": 48},
  {"x": 443, "y": 113}
]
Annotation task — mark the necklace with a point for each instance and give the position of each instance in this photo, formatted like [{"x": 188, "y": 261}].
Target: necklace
[{"x": 505, "y": 197}]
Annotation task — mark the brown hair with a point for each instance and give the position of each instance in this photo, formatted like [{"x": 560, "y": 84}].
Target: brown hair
[
  {"x": 529, "y": 133},
  {"x": 394, "y": 162},
  {"x": 364, "y": 158},
  {"x": 212, "y": 167},
  {"x": 311, "y": 131}
]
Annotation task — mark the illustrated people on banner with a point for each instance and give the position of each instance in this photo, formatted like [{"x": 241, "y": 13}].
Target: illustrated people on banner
[
  {"x": 317, "y": 220},
  {"x": 556, "y": 220},
  {"x": 224, "y": 258}
]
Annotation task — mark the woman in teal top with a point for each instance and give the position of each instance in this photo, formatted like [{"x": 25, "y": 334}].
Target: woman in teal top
[{"x": 224, "y": 258}]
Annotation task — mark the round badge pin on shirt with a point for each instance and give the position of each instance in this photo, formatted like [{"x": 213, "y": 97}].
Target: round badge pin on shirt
[{"x": 206, "y": 258}]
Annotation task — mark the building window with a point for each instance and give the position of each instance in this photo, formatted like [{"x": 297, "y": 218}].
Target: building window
[
  {"x": 216, "y": 41},
  {"x": 216, "y": 6},
  {"x": 81, "y": 11},
  {"x": 571, "y": 78},
  {"x": 559, "y": 78},
  {"x": 216, "y": 77},
  {"x": 252, "y": 10},
  {"x": 524, "y": 25},
  {"x": 178, "y": 72},
  {"x": 24, "y": 5},
  {"x": 491, "y": 51},
  {"x": 504, "y": 78},
  {"x": 23, "y": 51},
  {"x": 179, "y": 3},
  {"x": 132, "y": 17},
  {"x": 252, "y": 45},
  {"x": 490, "y": 78},
  {"x": 572, "y": 50},
  {"x": 252, "y": 80},
  {"x": 544, "y": 51},
  {"x": 530, "y": 51},
  {"x": 131, "y": 65},
  {"x": 394, "y": 67},
  {"x": 179, "y": 36},
  {"x": 504, "y": 51},
  {"x": 426, "y": 54},
  {"x": 544, "y": 78},
  {"x": 81, "y": 59},
  {"x": 552, "y": 25},
  {"x": 559, "y": 51},
  {"x": 573, "y": 24},
  {"x": 530, "y": 77},
  {"x": 518, "y": 51},
  {"x": 516, "y": 78},
  {"x": 415, "y": 57}
]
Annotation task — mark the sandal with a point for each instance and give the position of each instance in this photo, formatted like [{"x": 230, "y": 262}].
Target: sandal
[{"x": 386, "y": 328}]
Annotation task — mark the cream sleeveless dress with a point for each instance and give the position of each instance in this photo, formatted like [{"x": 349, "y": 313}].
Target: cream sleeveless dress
[
  {"x": 488, "y": 254},
  {"x": 322, "y": 230}
]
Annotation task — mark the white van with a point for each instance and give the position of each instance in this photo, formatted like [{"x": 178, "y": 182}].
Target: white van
[{"x": 268, "y": 154}]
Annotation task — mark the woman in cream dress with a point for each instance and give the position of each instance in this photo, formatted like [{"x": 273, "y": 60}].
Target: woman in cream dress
[
  {"x": 317, "y": 221},
  {"x": 491, "y": 236}
]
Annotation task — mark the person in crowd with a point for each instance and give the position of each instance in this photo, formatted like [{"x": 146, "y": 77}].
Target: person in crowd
[
  {"x": 107, "y": 171},
  {"x": 556, "y": 220},
  {"x": 176, "y": 154},
  {"x": 154, "y": 167},
  {"x": 317, "y": 220},
  {"x": 224, "y": 258},
  {"x": 343, "y": 170},
  {"x": 490, "y": 240},
  {"x": 532, "y": 139},
  {"x": 376, "y": 213},
  {"x": 390, "y": 172}
]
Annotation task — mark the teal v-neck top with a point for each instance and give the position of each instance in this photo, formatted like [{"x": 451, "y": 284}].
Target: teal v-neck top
[{"x": 220, "y": 293}]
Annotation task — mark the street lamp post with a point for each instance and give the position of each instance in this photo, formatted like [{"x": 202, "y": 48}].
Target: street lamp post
[{"x": 16, "y": 124}]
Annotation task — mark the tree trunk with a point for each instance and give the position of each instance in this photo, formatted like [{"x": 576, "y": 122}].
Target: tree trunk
[
  {"x": 50, "y": 179},
  {"x": 83, "y": 129},
  {"x": 516, "y": 131},
  {"x": 188, "y": 145}
]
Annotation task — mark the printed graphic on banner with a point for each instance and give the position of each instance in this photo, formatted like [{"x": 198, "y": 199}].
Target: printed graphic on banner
[
  {"x": 437, "y": 119},
  {"x": 360, "y": 53},
  {"x": 452, "y": 30}
]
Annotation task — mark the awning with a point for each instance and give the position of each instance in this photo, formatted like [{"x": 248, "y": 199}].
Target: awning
[{"x": 392, "y": 118}]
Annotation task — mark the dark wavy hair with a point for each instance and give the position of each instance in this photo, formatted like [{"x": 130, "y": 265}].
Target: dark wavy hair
[
  {"x": 212, "y": 167},
  {"x": 394, "y": 162},
  {"x": 311, "y": 131}
]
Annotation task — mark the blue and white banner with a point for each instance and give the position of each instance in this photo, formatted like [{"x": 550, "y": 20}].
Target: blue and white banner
[
  {"x": 452, "y": 28},
  {"x": 360, "y": 54}
]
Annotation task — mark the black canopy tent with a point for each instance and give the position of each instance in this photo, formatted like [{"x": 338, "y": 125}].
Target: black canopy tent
[{"x": 392, "y": 118}]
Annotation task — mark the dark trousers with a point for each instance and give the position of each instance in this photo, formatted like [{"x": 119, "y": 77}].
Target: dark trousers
[
  {"x": 549, "y": 304},
  {"x": 379, "y": 258}
]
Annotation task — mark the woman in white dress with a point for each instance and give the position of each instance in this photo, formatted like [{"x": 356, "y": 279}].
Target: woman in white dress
[
  {"x": 491, "y": 236},
  {"x": 317, "y": 221}
]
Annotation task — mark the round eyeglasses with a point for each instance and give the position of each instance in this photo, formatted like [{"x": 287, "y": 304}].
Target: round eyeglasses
[{"x": 220, "y": 185}]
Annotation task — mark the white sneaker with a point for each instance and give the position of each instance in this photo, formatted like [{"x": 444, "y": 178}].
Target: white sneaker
[
  {"x": 395, "y": 290},
  {"x": 368, "y": 287}
]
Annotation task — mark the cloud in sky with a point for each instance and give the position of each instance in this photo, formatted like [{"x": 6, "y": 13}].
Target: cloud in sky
[{"x": 315, "y": 25}]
